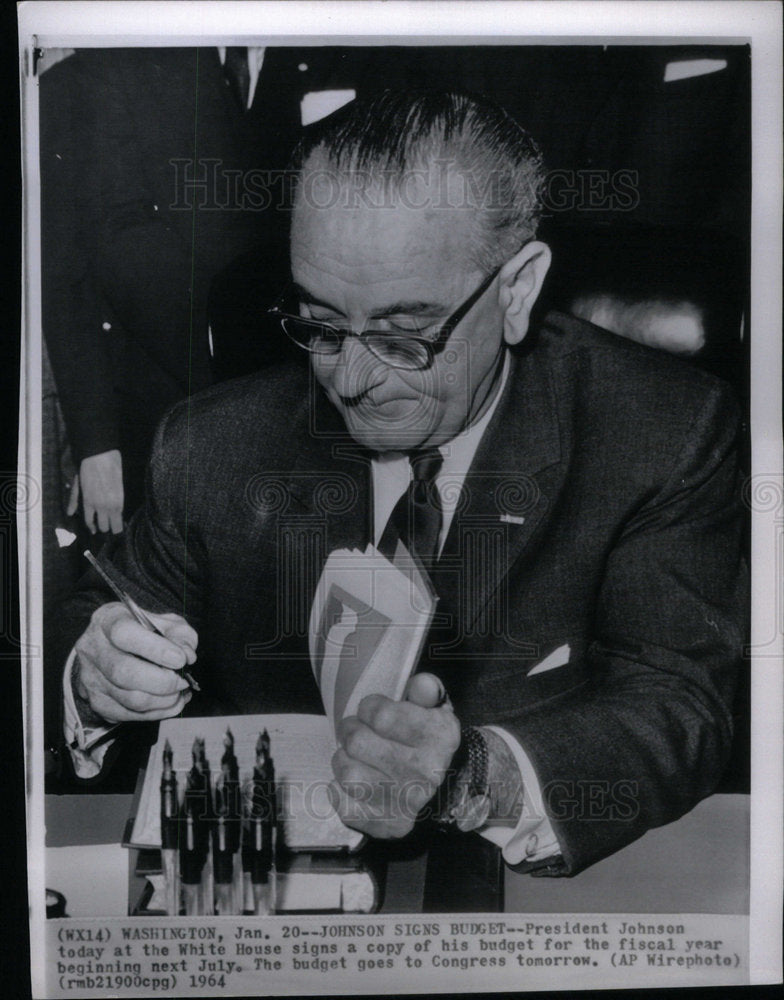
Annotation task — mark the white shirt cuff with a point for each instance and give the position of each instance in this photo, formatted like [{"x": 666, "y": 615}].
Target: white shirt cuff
[
  {"x": 533, "y": 839},
  {"x": 86, "y": 756}
]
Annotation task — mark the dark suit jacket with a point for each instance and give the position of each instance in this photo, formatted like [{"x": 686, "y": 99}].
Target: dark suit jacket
[{"x": 601, "y": 511}]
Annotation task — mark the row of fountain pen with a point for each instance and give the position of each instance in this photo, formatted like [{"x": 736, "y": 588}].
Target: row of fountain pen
[{"x": 221, "y": 822}]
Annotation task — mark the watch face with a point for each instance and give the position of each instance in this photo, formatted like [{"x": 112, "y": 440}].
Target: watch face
[{"x": 474, "y": 813}]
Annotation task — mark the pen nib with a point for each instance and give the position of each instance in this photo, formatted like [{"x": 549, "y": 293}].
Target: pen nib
[
  {"x": 261, "y": 748},
  {"x": 229, "y": 763},
  {"x": 167, "y": 759},
  {"x": 197, "y": 753}
]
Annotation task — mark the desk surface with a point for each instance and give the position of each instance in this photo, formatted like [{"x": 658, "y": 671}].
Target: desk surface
[{"x": 698, "y": 864}]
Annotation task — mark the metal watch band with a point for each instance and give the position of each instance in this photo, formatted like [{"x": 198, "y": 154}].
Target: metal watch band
[
  {"x": 476, "y": 747},
  {"x": 468, "y": 782}
]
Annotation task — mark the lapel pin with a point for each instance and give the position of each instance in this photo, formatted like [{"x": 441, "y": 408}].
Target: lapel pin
[{"x": 512, "y": 519}]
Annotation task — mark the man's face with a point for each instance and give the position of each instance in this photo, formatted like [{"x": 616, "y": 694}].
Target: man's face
[{"x": 399, "y": 269}]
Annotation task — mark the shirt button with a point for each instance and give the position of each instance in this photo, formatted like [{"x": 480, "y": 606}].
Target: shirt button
[
  {"x": 106, "y": 326},
  {"x": 303, "y": 67}
]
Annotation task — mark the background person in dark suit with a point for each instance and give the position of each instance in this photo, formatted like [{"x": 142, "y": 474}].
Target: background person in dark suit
[
  {"x": 596, "y": 648},
  {"x": 139, "y": 147}
]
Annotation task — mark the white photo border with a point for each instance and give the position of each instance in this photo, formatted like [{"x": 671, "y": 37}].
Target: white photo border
[{"x": 90, "y": 24}]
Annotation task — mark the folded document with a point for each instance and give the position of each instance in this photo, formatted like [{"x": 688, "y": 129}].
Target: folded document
[{"x": 368, "y": 624}]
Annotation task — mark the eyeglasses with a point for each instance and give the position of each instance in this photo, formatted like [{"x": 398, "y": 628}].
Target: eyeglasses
[{"x": 395, "y": 350}]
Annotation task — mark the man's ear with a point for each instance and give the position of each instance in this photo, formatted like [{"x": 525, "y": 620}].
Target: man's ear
[{"x": 521, "y": 281}]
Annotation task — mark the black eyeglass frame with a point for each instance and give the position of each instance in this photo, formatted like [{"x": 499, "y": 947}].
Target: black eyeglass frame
[{"x": 432, "y": 347}]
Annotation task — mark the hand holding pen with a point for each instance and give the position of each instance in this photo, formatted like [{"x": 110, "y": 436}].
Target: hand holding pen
[{"x": 126, "y": 671}]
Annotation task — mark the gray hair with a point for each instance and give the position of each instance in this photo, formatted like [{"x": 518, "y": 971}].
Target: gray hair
[{"x": 381, "y": 140}]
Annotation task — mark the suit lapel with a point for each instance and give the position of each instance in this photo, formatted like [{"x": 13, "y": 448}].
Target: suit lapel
[{"x": 514, "y": 477}]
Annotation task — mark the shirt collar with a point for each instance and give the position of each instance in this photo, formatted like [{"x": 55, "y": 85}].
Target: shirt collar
[{"x": 459, "y": 452}]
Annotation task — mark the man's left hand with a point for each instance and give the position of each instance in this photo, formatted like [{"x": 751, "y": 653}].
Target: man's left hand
[{"x": 392, "y": 758}]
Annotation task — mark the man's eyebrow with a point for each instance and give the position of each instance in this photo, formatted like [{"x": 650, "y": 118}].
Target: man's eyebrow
[{"x": 411, "y": 307}]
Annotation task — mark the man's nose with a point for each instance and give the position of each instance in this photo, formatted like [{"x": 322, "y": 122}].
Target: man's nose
[{"x": 358, "y": 368}]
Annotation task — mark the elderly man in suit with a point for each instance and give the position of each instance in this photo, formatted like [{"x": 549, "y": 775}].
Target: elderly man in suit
[{"x": 571, "y": 494}]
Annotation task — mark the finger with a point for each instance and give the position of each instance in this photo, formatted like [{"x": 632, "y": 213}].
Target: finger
[
  {"x": 394, "y": 760},
  {"x": 435, "y": 729},
  {"x": 73, "y": 499},
  {"x": 143, "y": 703},
  {"x": 128, "y": 636},
  {"x": 129, "y": 673},
  {"x": 401, "y": 721},
  {"x": 352, "y": 811},
  {"x": 103, "y": 520},
  {"x": 190, "y": 654},
  {"x": 89, "y": 516},
  {"x": 116, "y": 522},
  {"x": 427, "y": 691},
  {"x": 176, "y": 629},
  {"x": 123, "y": 685},
  {"x": 360, "y": 780},
  {"x": 177, "y": 709},
  {"x": 113, "y": 711},
  {"x": 140, "y": 702},
  {"x": 376, "y": 818}
]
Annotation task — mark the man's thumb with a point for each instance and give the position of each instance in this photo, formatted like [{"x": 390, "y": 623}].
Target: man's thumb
[{"x": 426, "y": 691}]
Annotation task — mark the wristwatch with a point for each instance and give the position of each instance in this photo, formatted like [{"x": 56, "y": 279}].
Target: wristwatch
[{"x": 468, "y": 792}]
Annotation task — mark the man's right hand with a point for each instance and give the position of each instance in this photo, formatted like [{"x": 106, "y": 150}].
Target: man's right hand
[{"x": 126, "y": 673}]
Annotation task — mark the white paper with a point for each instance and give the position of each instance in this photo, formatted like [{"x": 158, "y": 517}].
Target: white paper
[
  {"x": 367, "y": 625},
  {"x": 301, "y": 747}
]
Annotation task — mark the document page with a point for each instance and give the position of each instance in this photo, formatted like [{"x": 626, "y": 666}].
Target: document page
[{"x": 301, "y": 747}]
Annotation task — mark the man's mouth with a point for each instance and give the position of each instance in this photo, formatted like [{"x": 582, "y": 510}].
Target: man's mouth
[{"x": 350, "y": 401}]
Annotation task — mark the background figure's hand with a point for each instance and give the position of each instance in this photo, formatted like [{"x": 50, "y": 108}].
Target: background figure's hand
[
  {"x": 392, "y": 757},
  {"x": 73, "y": 496},
  {"x": 101, "y": 486},
  {"x": 118, "y": 673}
]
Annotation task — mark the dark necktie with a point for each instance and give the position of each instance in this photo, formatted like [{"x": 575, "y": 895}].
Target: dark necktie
[
  {"x": 416, "y": 517},
  {"x": 237, "y": 74}
]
